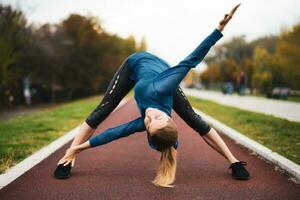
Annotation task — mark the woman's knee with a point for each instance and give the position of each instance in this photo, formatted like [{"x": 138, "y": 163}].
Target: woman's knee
[
  {"x": 100, "y": 113},
  {"x": 198, "y": 124}
]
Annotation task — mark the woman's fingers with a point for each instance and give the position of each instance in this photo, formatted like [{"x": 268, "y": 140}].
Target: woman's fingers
[
  {"x": 228, "y": 17},
  {"x": 69, "y": 157},
  {"x": 234, "y": 9},
  {"x": 69, "y": 161},
  {"x": 65, "y": 158},
  {"x": 61, "y": 162},
  {"x": 73, "y": 162}
]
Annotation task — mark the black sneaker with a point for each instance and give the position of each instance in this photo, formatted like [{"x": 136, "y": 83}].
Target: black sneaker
[
  {"x": 239, "y": 171},
  {"x": 63, "y": 172}
]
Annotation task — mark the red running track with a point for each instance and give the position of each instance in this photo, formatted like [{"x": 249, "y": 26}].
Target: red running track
[{"x": 124, "y": 168}]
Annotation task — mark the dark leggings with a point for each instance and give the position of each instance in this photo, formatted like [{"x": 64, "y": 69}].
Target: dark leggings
[{"x": 121, "y": 84}]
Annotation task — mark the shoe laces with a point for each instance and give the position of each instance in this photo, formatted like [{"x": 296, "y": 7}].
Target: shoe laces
[{"x": 240, "y": 162}]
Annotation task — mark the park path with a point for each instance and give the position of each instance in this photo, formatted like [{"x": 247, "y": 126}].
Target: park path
[
  {"x": 124, "y": 168},
  {"x": 279, "y": 108},
  {"x": 25, "y": 110}
]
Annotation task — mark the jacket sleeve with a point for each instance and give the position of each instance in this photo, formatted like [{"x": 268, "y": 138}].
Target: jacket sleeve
[
  {"x": 117, "y": 132},
  {"x": 166, "y": 82}
]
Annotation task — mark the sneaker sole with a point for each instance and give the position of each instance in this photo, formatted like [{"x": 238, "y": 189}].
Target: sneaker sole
[
  {"x": 241, "y": 178},
  {"x": 62, "y": 177}
]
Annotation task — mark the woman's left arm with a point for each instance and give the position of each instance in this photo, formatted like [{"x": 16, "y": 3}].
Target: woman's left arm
[
  {"x": 200, "y": 52},
  {"x": 167, "y": 81}
]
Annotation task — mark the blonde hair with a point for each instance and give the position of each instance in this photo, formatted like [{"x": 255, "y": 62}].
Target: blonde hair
[
  {"x": 165, "y": 138},
  {"x": 167, "y": 168}
]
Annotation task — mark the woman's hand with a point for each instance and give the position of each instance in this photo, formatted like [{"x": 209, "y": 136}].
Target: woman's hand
[
  {"x": 71, "y": 153},
  {"x": 69, "y": 156},
  {"x": 227, "y": 18}
]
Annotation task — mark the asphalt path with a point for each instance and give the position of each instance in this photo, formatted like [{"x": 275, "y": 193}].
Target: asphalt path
[{"x": 123, "y": 169}]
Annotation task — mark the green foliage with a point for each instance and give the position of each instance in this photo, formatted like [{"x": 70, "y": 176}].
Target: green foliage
[
  {"x": 268, "y": 62},
  {"x": 67, "y": 60},
  {"x": 288, "y": 54},
  {"x": 212, "y": 74},
  {"x": 7, "y": 57},
  {"x": 262, "y": 77},
  {"x": 12, "y": 27}
]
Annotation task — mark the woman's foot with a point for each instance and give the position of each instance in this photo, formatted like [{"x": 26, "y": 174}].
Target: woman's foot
[
  {"x": 63, "y": 172},
  {"x": 239, "y": 171},
  {"x": 64, "y": 166}
]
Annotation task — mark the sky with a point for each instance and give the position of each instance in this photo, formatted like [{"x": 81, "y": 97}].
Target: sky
[{"x": 172, "y": 28}]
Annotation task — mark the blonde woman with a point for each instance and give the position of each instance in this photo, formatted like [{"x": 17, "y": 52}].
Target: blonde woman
[{"x": 156, "y": 92}]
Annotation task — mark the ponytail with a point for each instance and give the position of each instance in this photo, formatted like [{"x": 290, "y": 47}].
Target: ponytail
[{"x": 167, "y": 168}]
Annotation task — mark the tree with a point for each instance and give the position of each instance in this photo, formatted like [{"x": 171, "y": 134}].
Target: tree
[
  {"x": 70, "y": 59},
  {"x": 238, "y": 55},
  {"x": 12, "y": 28},
  {"x": 211, "y": 74},
  {"x": 288, "y": 55}
]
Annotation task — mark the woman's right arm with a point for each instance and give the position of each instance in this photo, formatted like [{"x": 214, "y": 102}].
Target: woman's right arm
[{"x": 117, "y": 132}]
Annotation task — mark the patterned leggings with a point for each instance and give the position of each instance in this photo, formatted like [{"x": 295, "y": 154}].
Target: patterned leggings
[{"x": 121, "y": 84}]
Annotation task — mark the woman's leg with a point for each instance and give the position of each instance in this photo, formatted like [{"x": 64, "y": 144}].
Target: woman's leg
[
  {"x": 184, "y": 109},
  {"x": 118, "y": 87}
]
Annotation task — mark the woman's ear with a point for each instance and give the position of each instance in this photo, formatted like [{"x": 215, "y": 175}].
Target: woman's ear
[{"x": 147, "y": 121}]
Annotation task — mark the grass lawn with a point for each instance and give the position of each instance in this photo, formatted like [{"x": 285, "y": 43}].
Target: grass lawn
[
  {"x": 294, "y": 98},
  {"x": 21, "y": 136},
  {"x": 280, "y": 135}
]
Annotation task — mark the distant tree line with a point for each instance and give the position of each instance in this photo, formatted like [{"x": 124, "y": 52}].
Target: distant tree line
[
  {"x": 63, "y": 61},
  {"x": 268, "y": 62}
]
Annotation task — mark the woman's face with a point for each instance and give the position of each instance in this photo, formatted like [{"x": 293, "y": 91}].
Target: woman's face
[{"x": 155, "y": 119}]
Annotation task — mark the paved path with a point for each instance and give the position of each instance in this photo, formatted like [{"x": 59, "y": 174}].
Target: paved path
[
  {"x": 124, "y": 168},
  {"x": 283, "y": 109},
  {"x": 12, "y": 112}
]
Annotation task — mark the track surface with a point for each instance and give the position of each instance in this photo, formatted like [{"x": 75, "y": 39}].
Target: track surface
[{"x": 124, "y": 168}]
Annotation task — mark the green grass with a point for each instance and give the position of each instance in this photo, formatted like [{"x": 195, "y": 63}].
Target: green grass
[
  {"x": 280, "y": 135},
  {"x": 23, "y": 135},
  {"x": 294, "y": 99}
]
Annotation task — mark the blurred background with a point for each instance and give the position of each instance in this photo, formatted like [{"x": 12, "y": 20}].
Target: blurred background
[
  {"x": 52, "y": 51},
  {"x": 57, "y": 58}
]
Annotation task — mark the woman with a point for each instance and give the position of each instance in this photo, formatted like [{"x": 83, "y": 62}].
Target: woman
[{"x": 156, "y": 90}]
